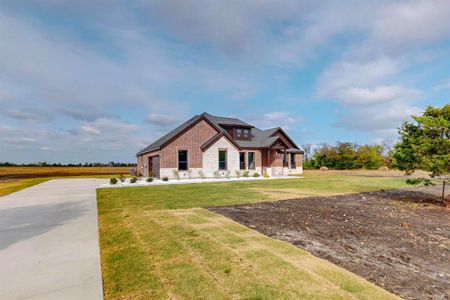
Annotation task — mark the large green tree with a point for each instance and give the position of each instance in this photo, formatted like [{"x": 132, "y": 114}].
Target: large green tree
[{"x": 425, "y": 143}]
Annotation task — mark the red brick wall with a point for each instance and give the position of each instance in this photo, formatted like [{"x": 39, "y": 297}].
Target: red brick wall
[
  {"x": 298, "y": 160},
  {"x": 276, "y": 160},
  {"x": 191, "y": 141}
]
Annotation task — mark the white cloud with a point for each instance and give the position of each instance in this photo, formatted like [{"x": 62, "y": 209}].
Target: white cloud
[
  {"x": 345, "y": 74},
  {"x": 445, "y": 85},
  {"x": 273, "y": 119},
  {"x": 379, "y": 94},
  {"x": 379, "y": 118}
]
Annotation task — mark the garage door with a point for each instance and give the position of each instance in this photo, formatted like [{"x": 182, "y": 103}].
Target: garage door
[{"x": 154, "y": 166}]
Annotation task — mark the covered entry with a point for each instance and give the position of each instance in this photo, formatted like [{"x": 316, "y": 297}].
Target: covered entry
[{"x": 153, "y": 166}]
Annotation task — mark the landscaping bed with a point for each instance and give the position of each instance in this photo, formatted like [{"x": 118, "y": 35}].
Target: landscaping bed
[{"x": 397, "y": 239}]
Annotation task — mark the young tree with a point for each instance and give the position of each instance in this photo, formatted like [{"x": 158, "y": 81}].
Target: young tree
[{"x": 425, "y": 144}]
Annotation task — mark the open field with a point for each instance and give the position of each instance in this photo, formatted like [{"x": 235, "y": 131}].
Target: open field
[
  {"x": 13, "y": 179},
  {"x": 156, "y": 242},
  {"x": 398, "y": 239},
  {"x": 35, "y": 172}
]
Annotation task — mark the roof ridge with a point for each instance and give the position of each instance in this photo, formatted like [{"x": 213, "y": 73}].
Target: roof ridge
[{"x": 222, "y": 117}]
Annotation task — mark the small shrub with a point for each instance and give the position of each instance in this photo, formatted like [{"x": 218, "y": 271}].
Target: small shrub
[
  {"x": 176, "y": 174},
  {"x": 416, "y": 181},
  {"x": 266, "y": 175},
  {"x": 149, "y": 179},
  {"x": 121, "y": 178},
  {"x": 216, "y": 174},
  {"x": 256, "y": 175},
  {"x": 228, "y": 174},
  {"x": 165, "y": 178},
  {"x": 383, "y": 168},
  {"x": 113, "y": 181},
  {"x": 238, "y": 174},
  {"x": 245, "y": 174},
  {"x": 133, "y": 180},
  {"x": 201, "y": 174},
  {"x": 323, "y": 168}
]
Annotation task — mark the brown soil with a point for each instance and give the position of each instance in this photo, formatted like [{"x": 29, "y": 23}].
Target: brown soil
[{"x": 399, "y": 239}]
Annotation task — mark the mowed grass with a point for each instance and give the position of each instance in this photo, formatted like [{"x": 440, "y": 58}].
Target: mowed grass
[
  {"x": 228, "y": 193},
  {"x": 149, "y": 250}
]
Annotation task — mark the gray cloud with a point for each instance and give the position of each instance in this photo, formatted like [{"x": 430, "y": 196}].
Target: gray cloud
[
  {"x": 87, "y": 114},
  {"x": 161, "y": 119},
  {"x": 36, "y": 115},
  {"x": 410, "y": 24}
]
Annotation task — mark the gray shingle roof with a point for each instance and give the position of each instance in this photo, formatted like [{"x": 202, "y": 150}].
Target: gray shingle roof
[
  {"x": 161, "y": 141},
  {"x": 218, "y": 121},
  {"x": 260, "y": 138}
]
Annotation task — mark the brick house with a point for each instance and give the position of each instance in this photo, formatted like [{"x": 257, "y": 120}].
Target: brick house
[{"x": 211, "y": 146}]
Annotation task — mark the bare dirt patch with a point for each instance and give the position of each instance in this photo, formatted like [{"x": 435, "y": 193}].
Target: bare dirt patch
[{"x": 398, "y": 239}]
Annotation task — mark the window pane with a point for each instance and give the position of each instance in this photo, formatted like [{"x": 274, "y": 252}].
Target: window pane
[
  {"x": 251, "y": 160},
  {"x": 285, "y": 160},
  {"x": 242, "y": 160},
  {"x": 182, "y": 160},
  {"x": 246, "y": 133},
  {"x": 293, "y": 166},
  {"x": 222, "y": 160},
  {"x": 222, "y": 155}
]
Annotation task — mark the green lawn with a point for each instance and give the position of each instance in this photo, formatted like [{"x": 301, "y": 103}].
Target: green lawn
[
  {"x": 227, "y": 193},
  {"x": 150, "y": 250}
]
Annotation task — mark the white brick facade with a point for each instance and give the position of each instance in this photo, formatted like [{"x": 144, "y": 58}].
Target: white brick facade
[{"x": 211, "y": 158}]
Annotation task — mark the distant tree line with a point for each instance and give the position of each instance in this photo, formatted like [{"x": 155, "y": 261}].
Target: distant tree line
[
  {"x": 86, "y": 164},
  {"x": 346, "y": 155}
]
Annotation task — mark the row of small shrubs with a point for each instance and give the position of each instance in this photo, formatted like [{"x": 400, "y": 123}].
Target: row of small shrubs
[
  {"x": 165, "y": 178},
  {"x": 132, "y": 180}
]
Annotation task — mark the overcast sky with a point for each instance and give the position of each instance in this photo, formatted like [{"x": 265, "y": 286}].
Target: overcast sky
[{"x": 98, "y": 80}]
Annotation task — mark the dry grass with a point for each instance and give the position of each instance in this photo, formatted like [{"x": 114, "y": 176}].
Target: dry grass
[
  {"x": 13, "y": 185},
  {"x": 36, "y": 172},
  {"x": 13, "y": 179}
]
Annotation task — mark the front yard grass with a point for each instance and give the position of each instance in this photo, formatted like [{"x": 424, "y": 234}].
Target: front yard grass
[
  {"x": 228, "y": 193},
  {"x": 157, "y": 243}
]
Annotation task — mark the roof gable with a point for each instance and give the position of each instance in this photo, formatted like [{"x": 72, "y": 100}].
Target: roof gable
[
  {"x": 164, "y": 140},
  {"x": 217, "y": 137}
]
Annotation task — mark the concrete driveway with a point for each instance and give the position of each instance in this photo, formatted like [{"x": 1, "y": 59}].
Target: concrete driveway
[{"x": 49, "y": 246}]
